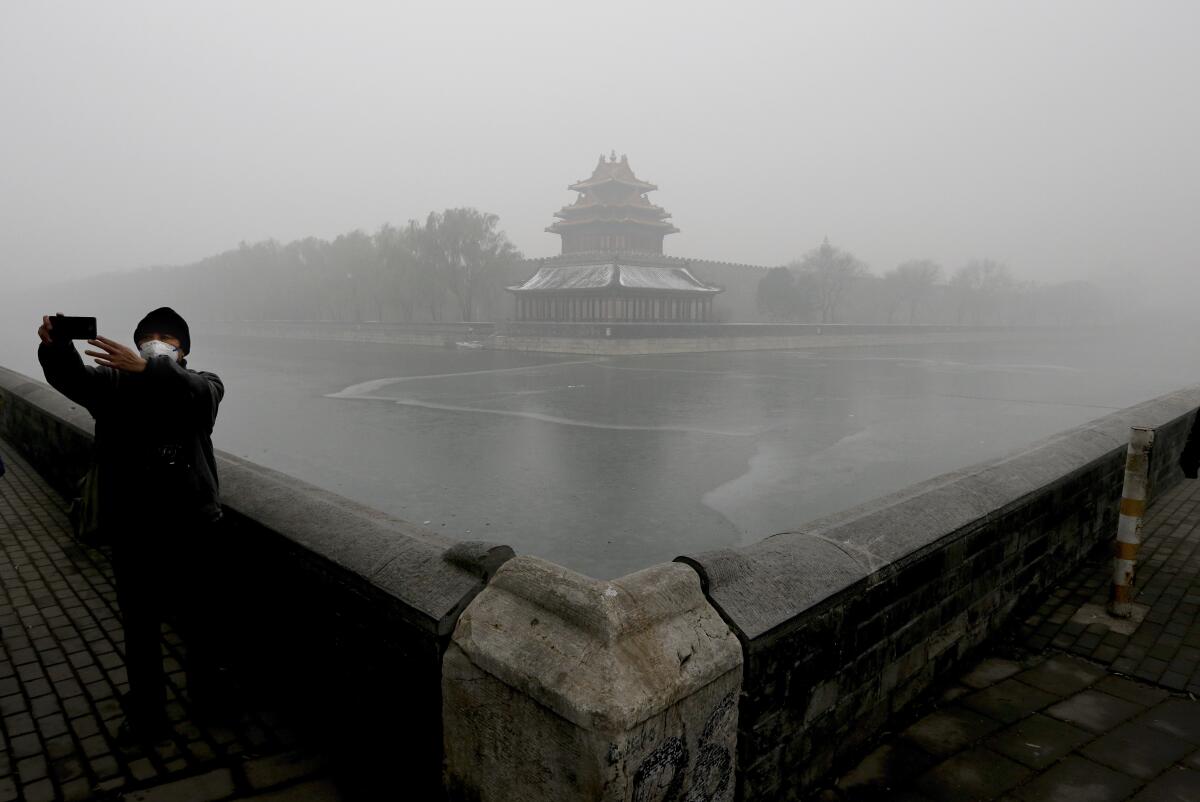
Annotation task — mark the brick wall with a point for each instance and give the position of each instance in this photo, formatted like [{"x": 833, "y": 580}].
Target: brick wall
[{"x": 847, "y": 621}]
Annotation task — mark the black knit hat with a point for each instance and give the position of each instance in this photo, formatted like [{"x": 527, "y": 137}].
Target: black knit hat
[{"x": 165, "y": 320}]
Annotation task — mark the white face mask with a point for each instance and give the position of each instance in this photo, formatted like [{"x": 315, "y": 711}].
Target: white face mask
[{"x": 156, "y": 348}]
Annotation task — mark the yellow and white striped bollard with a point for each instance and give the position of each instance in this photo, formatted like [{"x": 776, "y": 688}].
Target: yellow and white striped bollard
[{"x": 1129, "y": 523}]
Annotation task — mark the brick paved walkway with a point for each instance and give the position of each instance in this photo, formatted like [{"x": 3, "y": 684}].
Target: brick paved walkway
[
  {"x": 61, "y": 677},
  {"x": 1073, "y": 706},
  {"x": 1164, "y": 647}
]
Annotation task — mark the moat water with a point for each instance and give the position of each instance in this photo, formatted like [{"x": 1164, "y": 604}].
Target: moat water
[{"x": 611, "y": 464}]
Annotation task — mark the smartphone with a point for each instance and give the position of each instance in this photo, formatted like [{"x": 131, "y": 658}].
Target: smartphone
[{"x": 73, "y": 328}]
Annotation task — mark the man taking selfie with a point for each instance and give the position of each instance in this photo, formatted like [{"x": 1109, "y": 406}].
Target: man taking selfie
[{"x": 157, "y": 493}]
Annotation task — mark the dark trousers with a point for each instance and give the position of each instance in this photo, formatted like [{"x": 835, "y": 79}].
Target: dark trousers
[{"x": 166, "y": 571}]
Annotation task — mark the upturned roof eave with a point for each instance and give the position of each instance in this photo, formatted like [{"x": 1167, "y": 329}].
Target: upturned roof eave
[
  {"x": 559, "y": 225},
  {"x": 589, "y": 183}
]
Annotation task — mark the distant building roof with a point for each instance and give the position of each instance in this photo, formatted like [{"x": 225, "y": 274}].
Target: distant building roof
[{"x": 597, "y": 276}]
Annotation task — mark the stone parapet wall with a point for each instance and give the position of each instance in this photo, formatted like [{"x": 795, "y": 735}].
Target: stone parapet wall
[
  {"x": 842, "y": 624},
  {"x": 338, "y": 610},
  {"x": 848, "y": 620}
]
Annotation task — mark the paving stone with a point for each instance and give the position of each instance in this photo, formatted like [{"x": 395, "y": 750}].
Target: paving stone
[
  {"x": 18, "y": 724},
  {"x": 60, "y": 747},
  {"x": 1077, "y": 780},
  {"x": 1094, "y": 711},
  {"x": 77, "y": 706},
  {"x": 142, "y": 769},
  {"x": 948, "y": 731},
  {"x": 1179, "y": 717},
  {"x": 1038, "y": 741},
  {"x": 110, "y": 709},
  {"x": 44, "y": 706},
  {"x": 207, "y": 787},
  {"x": 105, "y": 767},
  {"x": 275, "y": 770},
  {"x": 326, "y": 791},
  {"x": 1137, "y": 750},
  {"x": 1174, "y": 680},
  {"x": 989, "y": 671},
  {"x": 1009, "y": 700},
  {"x": 975, "y": 774},
  {"x": 10, "y": 705},
  {"x": 67, "y": 769},
  {"x": 94, "y": 746},
  {"x": 77, "y": 791},
  {"x": 953, "y": 693},
  {"x": 40, "y": 791},
  {"x": 201, "y": 752},
  {"x": 1130, "y": 691},
  {"x": 85, "y": 727},
  {"x": 1062, "y": 675},
  {"x": 1174, "y": 785},
  {"x": 31, "y": 769},
  {"x": 30, "y": 672}
]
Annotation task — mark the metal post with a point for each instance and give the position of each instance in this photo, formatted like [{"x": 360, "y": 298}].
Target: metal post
[{"x": 1129, "y": 523}]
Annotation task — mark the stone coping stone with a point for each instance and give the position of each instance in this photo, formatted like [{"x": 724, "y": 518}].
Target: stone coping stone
[
  {"x": 433, "y": 575},
  {"x": 761, "y": 587},
  {"x": 45, "y": 397},
  {"x": 604, "y": 655}
]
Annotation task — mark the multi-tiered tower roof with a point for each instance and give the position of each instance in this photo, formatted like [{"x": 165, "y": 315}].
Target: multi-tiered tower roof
[{"x": 612, "y": 213}]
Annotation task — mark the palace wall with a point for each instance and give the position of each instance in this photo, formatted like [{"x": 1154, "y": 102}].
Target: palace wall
[{"x": 613, "y": 339}]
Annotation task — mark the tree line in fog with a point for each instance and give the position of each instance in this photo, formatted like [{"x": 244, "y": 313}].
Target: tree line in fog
[
  {"x": 449, "y": 267},
  {"x": 454, "y": 265},
  {"x": 829, "y": 285}
]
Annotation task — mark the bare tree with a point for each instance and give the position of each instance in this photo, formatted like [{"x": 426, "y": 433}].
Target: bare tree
[
  {"x": 832, "y": 272},
  {"x": 980, "y": 287},
  {"x": 462, "y": 252},
  {"x": 912, "y": 284}
]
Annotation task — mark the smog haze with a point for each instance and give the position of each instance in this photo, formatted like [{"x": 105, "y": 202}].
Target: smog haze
[{"x": 1058, "y": 138}]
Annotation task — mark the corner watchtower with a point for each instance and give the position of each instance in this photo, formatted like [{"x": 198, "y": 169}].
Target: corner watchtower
[{"x": 612, "y": 213}]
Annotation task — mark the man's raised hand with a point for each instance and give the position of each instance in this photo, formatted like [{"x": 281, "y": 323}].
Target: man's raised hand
[{"x": 115, "y": 355}]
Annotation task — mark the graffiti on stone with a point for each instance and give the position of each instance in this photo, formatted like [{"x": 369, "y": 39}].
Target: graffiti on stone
[
  {"x": 660, "y": 777},
  {"x": 662, "y": 774},
  {"x": 714, "y": 765}
]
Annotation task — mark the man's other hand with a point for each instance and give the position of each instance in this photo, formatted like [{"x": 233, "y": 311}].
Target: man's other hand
[
  {"x": 116, "y": 356},
  {"x": 45, "y": 328}
]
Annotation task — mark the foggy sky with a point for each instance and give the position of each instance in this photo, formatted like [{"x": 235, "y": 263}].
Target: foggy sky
[{"x": 1059, "y": 137}]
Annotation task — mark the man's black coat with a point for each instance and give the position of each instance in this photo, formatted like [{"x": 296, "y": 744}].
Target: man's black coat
[{"x": 153, "y": 445}]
